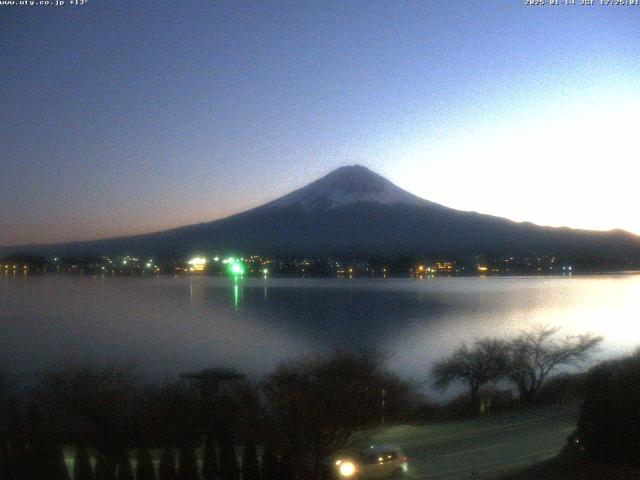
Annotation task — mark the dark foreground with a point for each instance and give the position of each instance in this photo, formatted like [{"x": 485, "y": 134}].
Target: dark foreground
[
  {"x": 482, "y": 448},
  {"x": 568, "y": 467}
]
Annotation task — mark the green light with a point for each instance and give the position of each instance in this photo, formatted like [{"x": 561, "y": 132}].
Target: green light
[{"x": 236, "y": 269}]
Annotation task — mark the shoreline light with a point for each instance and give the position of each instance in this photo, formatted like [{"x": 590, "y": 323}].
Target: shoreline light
[
  {"x": 197, "y": 264},
  {"x": 236, "y": 269}
]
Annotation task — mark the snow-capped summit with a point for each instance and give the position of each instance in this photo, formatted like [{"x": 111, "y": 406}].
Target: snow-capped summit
[{"x": 345, "y": 186}]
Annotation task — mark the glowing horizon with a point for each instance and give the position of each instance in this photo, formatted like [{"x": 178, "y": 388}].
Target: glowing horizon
[{"x": 523, "y": 113}]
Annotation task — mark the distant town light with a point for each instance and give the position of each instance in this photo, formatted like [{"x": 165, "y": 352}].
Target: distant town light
[
  {"x": 198, "y": 264},
  {"x": 197, "y": 261}
]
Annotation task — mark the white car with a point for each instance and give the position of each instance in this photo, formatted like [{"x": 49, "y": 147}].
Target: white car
[{"x": 371, "y": 463}]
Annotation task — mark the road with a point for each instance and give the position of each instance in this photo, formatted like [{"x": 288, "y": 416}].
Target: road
[{"x": 481, "y": 448}]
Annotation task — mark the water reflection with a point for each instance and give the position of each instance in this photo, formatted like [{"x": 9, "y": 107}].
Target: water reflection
[
  {"x": 236, "y": 293},
  {"x": 170, "y": 324}
]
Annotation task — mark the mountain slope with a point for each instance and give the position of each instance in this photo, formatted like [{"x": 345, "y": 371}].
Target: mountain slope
[{"x": 355, "y": 211}]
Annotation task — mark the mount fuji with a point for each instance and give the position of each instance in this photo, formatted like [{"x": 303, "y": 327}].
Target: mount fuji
[{"x": 353, "y": 210}]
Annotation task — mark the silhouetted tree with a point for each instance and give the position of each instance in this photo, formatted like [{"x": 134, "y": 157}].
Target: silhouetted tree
[
  {"x": 250, "y": 465},
  {"x": 4, "y": 383},
  {"x": 59, "y": 470},
  {"x": 209, "y": 459},
  {"x": 4, "y": 461},
  {"x": 485, "y": 362},
  {"x": 187, "y": 463},
  {"x": 124, "y": 468},
  {"x": 285, "y": 467},
  {"x": 81, "y": 464},
  {"x": 534, "y": 355},
  {"x": 609, "y": 425},
  {"x": 209, "y": 380},
  {"x": 19, "y": 464},
  {"x": 167, "y": 469},
  {"x": 315, "y": 405},
  {"x": 105, "y": 468},
  {"x": 176, "y": 415},
  {"x": 229, "y": 469},
  {"x": 45, "y": 448},
  {"x": 35, "y": 438},
  {"x": 144, "y": 465},
  {"x": 18, "y": 461},
  {"x": 268, "y": 465},
  {"x": 105, "y": 400}
]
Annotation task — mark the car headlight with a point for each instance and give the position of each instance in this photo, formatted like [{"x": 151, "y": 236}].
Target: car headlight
[{"x": 347, "y": 469}]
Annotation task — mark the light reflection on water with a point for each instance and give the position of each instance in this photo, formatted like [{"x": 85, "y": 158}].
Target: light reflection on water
[{"x": 167, "y": 325}]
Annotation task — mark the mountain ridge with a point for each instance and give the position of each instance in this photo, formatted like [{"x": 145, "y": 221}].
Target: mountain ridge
[{"x": 353, "y": 210}]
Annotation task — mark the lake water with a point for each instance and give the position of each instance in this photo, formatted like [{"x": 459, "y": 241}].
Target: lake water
[{"x": 167, "y": 325}]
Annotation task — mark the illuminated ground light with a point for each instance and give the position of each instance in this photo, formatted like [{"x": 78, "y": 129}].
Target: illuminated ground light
[{"x": 197, "y": 264}]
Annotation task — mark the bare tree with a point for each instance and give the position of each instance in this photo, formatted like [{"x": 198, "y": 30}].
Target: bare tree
[
  {"x": 534, "y": 355},
  {"x": 485, "y": 362}
]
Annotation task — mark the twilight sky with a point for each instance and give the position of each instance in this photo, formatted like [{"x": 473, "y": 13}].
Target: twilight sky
[{"x": 122, "y": 117}]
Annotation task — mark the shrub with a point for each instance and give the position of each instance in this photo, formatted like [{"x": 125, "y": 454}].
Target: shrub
[
  {"x": 168, "y": 466},
  {"x": 269, "y": 467},
  {"x": 144, "y": 467},
  {"x": 81, "y": 465},
  {"x": 229, "y": 469},
  {"x": 609, "y": 425},
  {"x": 209, "y": 459},
  {"x": 188, "y": 465},
  {"x": 250, "y": 466},
  {"x": 105, "y": 470},
  {"x": 124, "y": 468}
]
